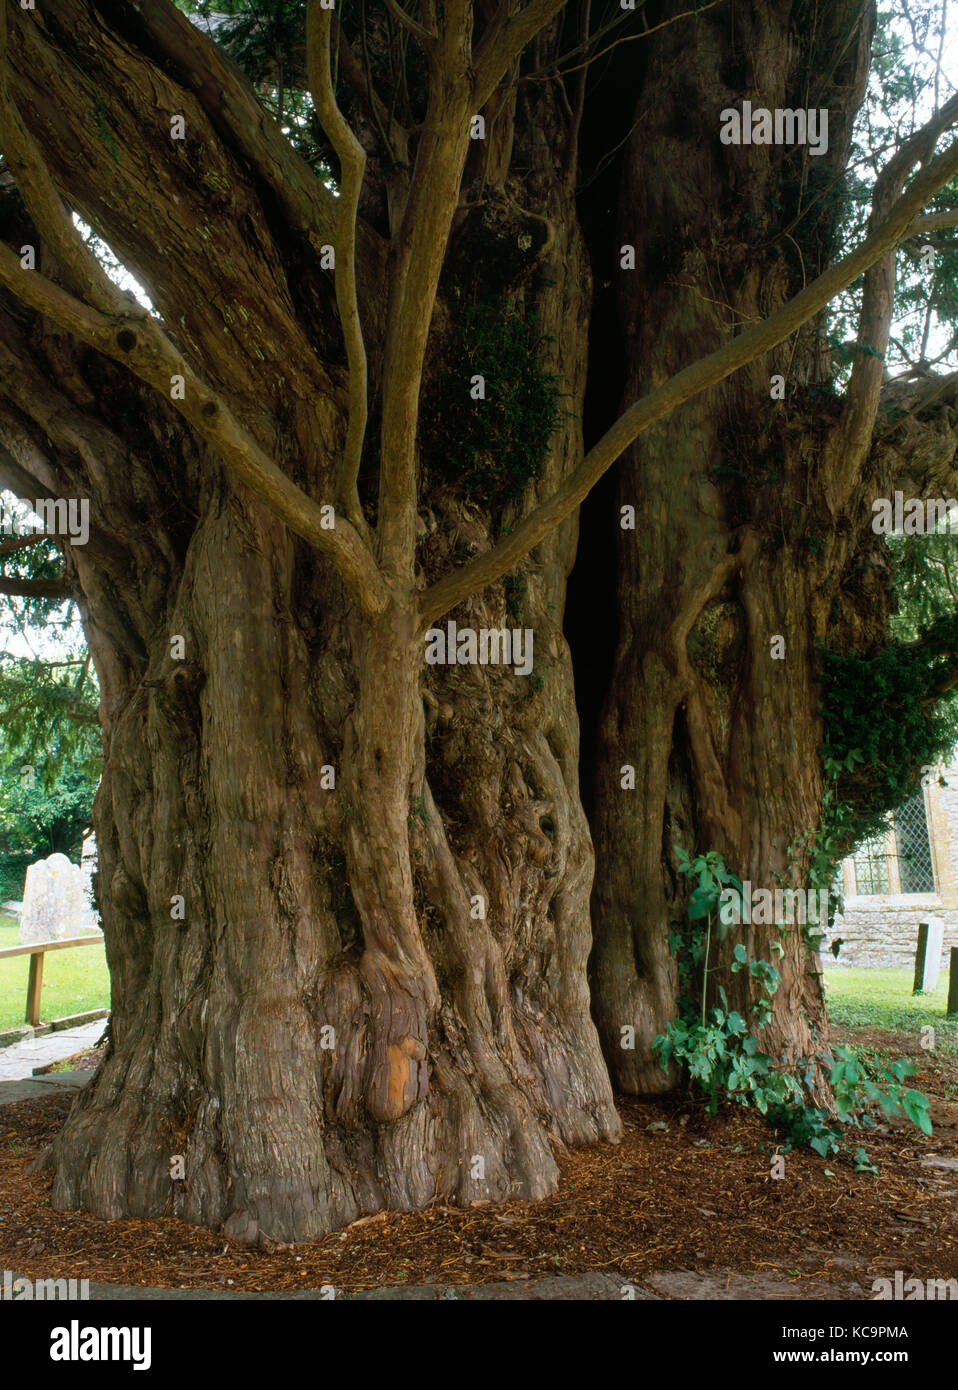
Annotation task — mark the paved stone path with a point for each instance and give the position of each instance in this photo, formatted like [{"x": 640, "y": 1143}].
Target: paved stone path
[
  {"x": 17, "y": 1062},
  {"x": 561, "y": 1287},
  {"x": 681, "y": 1285},
  {"x": 30, "y": 1088}
]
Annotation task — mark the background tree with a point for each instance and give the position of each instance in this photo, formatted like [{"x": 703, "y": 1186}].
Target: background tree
[
  {"x": 767, "y": 555},
  {"x": 50, "y": 749},
  {"x": 36, "y": 820},
  {"x": 333, "y": 996}
]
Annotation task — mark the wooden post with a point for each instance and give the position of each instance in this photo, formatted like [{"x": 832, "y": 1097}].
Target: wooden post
[
  {"x": 36, "y": 951},
  {"x": 34, "y": 988},
  {"x": 953, "y": 982}
]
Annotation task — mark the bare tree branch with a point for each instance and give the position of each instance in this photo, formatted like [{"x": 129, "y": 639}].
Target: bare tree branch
[
  {"x": 551, "y": 70},
  {"x": 420, "y": 251},
  {"x": 35, "y": 588},
  {"x": 555, "y": 69},
  {"x": 372, "y": 101},
  {"x": 505, "y": 38},
  {"x": 575, "y": 123},
  {"x": 395, "y": 137},
  {"x": 932, "y": 222},
  {"x": 352, "y": 159},
  {"x": 709, "y": 370},
  {"x": 429, "y": 41},
  {"x": 941, "y": 48}
]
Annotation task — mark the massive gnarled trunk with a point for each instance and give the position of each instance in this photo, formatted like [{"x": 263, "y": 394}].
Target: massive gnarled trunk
[
  {"x": 329, "y": 1030},
  {"x": 736, "y": 540},
  {"x": 346, "y": 912},
  {"x": 346, "y": 898}
]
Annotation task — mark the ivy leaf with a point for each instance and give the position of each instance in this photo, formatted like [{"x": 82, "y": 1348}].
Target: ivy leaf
[
  {"x": 916, "y": 1108},
  {"x": 700, "y": 904}
]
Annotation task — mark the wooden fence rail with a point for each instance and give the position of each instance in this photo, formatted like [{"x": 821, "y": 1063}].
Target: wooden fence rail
[{"x": 36, "y": 950}]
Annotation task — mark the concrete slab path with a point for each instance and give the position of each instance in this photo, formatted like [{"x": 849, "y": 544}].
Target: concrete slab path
[{"x": 17, "y": 1062}]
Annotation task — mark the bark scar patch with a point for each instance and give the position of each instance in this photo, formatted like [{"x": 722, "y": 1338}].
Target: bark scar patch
[{"x": 403, "y": 1058}]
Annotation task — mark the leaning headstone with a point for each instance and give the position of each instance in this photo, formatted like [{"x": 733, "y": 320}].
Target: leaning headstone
[
  {"x": 52, "y": 900},
  {"x": 928, "y": 955}
]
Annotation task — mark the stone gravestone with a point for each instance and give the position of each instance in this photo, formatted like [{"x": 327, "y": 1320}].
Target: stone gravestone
[
  {"x": 53, "y": 906},
  {"x": 90, "y": 919}
]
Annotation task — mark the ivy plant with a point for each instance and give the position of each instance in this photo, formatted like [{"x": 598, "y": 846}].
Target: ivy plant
[{"x": 720, "y": 1052}]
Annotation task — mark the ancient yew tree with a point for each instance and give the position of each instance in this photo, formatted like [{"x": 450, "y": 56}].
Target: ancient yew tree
[{"x": 346, "y": 892}]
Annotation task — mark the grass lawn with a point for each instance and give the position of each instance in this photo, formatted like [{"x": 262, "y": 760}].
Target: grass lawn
[
  {"x": 73, "y": 981},
  {"x": 864, "y": 998}
]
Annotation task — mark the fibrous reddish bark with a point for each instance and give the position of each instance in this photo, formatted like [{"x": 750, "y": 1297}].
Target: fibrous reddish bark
[{"x": 729, "y": 517}]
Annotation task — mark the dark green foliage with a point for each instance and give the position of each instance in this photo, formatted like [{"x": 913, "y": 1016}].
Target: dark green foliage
[
  {"x": 504, "y": 240},
  {"x": 36, "y": 820},
  {"x": 13, "y": 873},
  {"x": 492, "y": 447},
  {"x": 905, "y": 73},
  {"x": 926, "y": 579},
  {"x": 260, "y": 35},
  {"x": 48, "y": 700},
  {"x": 266, "y": 38},
  {"x": 48, "y": 719},
  {"x": 884, "y": 719}
]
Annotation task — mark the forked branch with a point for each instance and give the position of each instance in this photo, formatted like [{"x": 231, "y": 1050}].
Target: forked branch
[
  {"x": 862, "y": 396},
  {"x": 35, "y": 588},
  {"x": 131, "y": 336}
]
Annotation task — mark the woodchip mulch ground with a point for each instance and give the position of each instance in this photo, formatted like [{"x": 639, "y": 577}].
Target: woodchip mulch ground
[{"x": 683, "y": 1191}]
